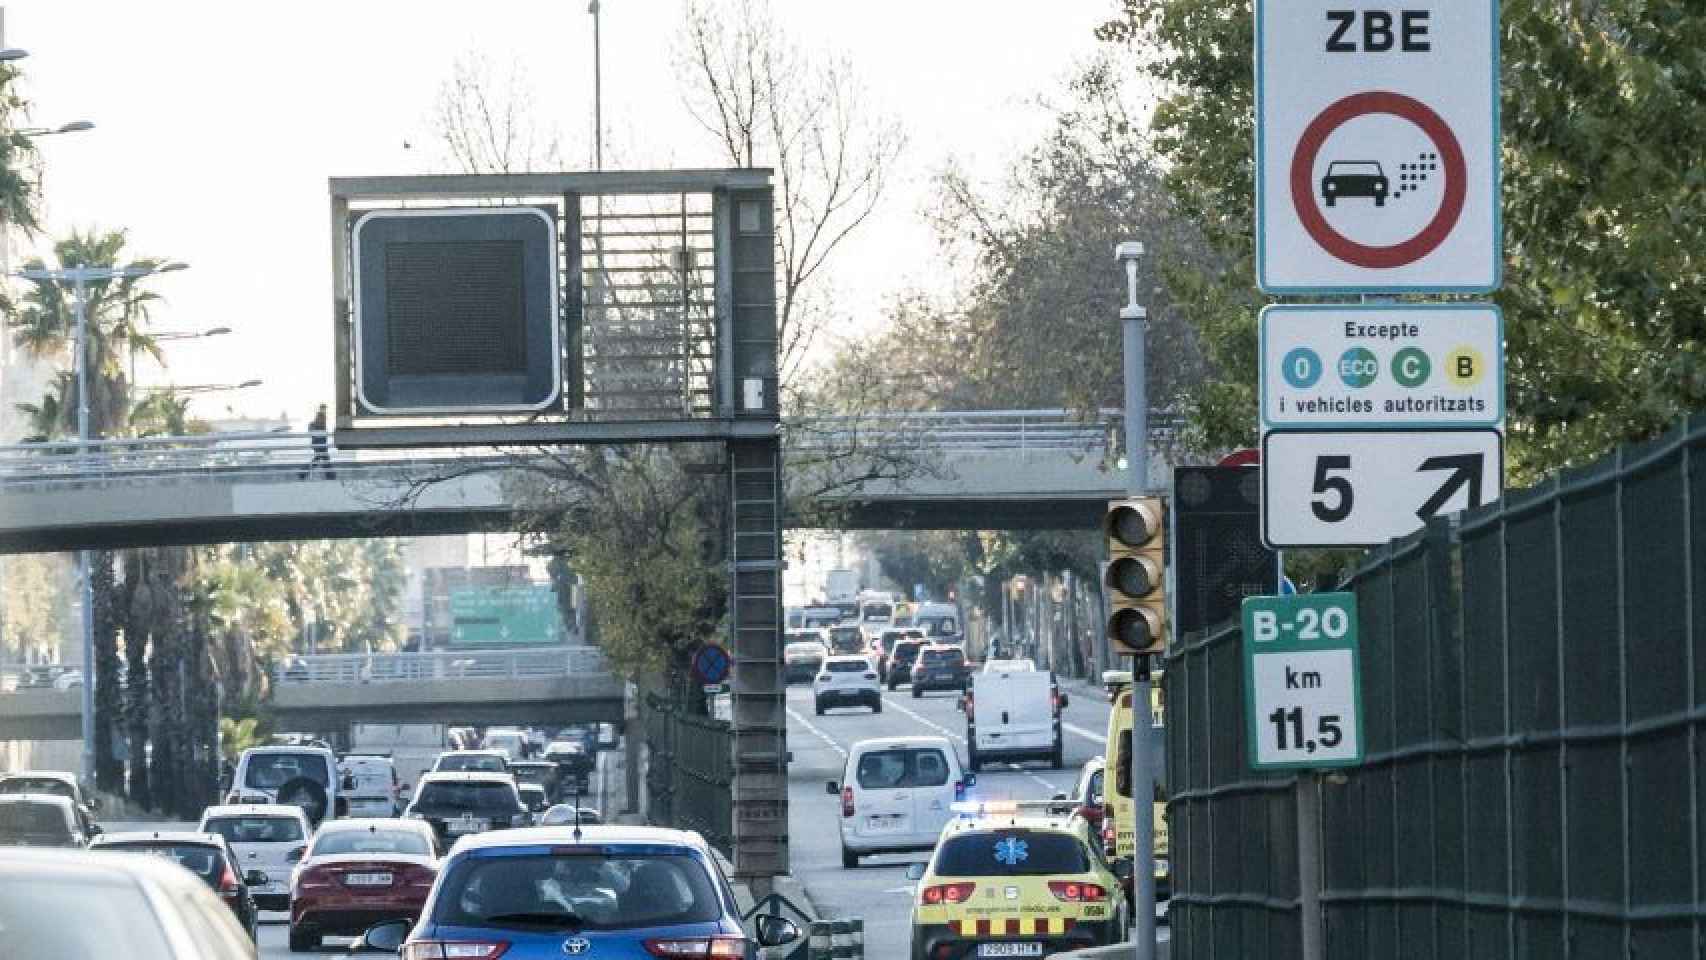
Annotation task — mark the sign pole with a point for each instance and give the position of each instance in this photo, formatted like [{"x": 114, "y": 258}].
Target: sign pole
[
  {"x": 1309, "y": 864},
  {"x": 1134, "y": 324}
]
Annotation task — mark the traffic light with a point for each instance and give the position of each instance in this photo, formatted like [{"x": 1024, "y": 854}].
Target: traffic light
[{"x": 1137, "y": 575}]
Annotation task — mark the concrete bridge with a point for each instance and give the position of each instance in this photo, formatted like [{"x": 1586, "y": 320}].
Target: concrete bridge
[
  {"x": 325, "y": 693},
  {"x": 1029, "y": 468}
]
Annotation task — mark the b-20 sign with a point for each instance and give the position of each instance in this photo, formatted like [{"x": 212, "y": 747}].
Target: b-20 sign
[
  {"x": 1377, "y": 166},
  {"x": 1302, "y": 689}
]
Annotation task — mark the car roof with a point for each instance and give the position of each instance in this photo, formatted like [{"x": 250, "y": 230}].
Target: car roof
[
  {"x": 530, "y": 787},
  {"x": 95, "y": 867},
  {"x": 992, "y": 822},
  {"x": 533, "y": 763},
  {"x": 849, "y": 658},
  {"x": 285, "y": 748},
  {"x": 60, "y": 775},
  {"x": 590, "y": 834},
  {"x": 561, "y": 746},
  {"x": 159, "y": 836},
  {"x": 353, "y": 824},
  {"x": 465, "y": 776},
  {"x": 254, "y": 810},
  {"x": 480, "y": 751},
  {"x": 887, "y": 743}
]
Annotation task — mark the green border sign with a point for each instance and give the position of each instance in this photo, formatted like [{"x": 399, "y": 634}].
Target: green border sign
[{"x": 1302, "y": 689}]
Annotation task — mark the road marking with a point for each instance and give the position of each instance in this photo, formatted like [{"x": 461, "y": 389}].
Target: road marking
[
  {"x": 1083, "y": 732},
  {"x": 838, "y": 748}
]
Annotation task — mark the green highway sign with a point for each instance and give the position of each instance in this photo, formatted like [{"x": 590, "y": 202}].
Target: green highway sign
[
  {"x": 1302, "y": 695},
  {"x": 525, "y": 616}
]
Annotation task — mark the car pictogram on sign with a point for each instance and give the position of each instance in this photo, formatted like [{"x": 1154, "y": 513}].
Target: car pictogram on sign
[{"x": 1354, "y": 178}]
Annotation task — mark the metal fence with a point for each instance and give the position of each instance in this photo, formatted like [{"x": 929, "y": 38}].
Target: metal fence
[
  {"x": 1534, "y": 690},
  {"x": 689, "y": 771},
  {"x": 521, "y": 663}
]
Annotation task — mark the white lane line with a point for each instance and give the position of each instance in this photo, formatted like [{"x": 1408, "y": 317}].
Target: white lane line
[
  {"x": 1052, "y": 788},
  {"x": 1083, "y": 732},
  {"x": 838, "y": 748}
]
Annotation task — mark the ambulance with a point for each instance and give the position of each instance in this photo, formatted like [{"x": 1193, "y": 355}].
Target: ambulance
[{"x": 1119, "y": 823}]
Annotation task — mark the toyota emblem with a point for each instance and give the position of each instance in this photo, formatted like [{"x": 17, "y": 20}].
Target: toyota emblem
[{"x": 577, "y": 946}]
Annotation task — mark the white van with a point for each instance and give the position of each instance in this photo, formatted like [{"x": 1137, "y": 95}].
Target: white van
[
  {"x": 508, "y": 740},
  {"x": 896, "y": 795},
  {"x": 1013, "y": 715},
  {"x": 373, "y": 785},
  {"x": 268, "y": 837},
  {"x": 939, "y": 621},
  {"x": 305, "y": 777}
]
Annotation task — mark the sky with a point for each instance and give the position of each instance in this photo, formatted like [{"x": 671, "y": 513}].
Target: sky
[{"x": 219, "y": 122}]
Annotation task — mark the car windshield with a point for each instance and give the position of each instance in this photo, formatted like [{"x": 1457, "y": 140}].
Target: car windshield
[
  {"x": 1353, "y": 168},
  {"x": 444, "y": 795},
  {"x": 903, "y": 767},
  {"x": 939, "y": 626},
  {"x": 472, "y": 763},
  {"x": 112, "y": 918},
  {"x": 878, "y": 611},
  {"x": 51, "y": 786},
  {"x": 847, "y": 666},
  {"x": 847, "y": 638},
  {"x": 269, "y": 771},
  {"x": 373, "y": 840},
  {"x": 601, "y": 892},
  {"x": 19, "y": 819},
  {"x": 1010, "y": 853},
  {"x": 533, "y": 798},
  {"x": 198, "y": 858},
  {"x": 533, "y": 772},
  {"x": 805, "y": 648},
  {"x": 906, "y": 651},
  {"x": 942, "y": 657},
  {"x": 256, "y": 829}
]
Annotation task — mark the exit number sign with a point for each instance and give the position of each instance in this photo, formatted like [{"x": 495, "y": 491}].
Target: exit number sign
[{"x": 1302, "y": 696}]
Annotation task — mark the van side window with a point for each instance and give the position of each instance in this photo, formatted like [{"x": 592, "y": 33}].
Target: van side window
[{"x": 1122, "y": 768}]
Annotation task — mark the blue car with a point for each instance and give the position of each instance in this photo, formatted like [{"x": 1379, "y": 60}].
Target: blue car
[{"x": 600, "y": 892}]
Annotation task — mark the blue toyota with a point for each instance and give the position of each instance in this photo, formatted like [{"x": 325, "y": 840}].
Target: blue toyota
[{"x": 600, "y": 892}]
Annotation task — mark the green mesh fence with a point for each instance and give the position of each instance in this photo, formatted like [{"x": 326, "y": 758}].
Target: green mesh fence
[{"x": 1534, "y": 691}]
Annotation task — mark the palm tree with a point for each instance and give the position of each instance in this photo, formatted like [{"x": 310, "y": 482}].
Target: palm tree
[
  {"x": 44, "y": 324},
  {"x": 20, "y": 166}
]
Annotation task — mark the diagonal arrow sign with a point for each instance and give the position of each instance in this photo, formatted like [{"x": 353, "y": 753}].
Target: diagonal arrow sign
[{"x": 1465, "y": 469}]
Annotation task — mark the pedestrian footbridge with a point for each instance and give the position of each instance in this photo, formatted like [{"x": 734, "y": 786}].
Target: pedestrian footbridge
[
  {"x": 554, "y": 686},
  {"x": 991, "y": 469}
]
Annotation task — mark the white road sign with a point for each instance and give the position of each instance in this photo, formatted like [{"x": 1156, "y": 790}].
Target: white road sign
[
  {"x": 1358, "y": 488},
  {"x": 1345, "y": 366},
  {"x": 1377, "y": 165}
]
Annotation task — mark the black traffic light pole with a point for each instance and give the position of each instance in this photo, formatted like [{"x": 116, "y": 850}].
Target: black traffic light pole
[{"x": 1135, "y": 324}]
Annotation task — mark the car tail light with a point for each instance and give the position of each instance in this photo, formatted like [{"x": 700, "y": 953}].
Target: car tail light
[
  {"x": 1090, "y": 813},
  {"x": 959, "y": 789},
  {"x": 698, "y": 947},
  {"x": 313, "y": 878},
  {"x": 228, "y": 882},
  {"x": 455, "y": 949},
  {"x": 1054, "y": 700},
  {"x": 971, "y": 705},
  {"x": 947, "y": 893},
  {"x": 1071, "y": 891},
  {"x": 847, "y": 801}
]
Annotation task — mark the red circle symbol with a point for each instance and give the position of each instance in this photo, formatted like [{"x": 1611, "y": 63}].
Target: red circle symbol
[{"x": 1303, "y": 180}]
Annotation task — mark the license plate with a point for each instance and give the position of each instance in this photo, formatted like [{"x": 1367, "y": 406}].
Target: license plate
[
  {"x": 1009, "y": 949},
  {"x": 466, "y": 825},
  {"x": 368, "y": 879},
  {"x": 883, "y": 823}
]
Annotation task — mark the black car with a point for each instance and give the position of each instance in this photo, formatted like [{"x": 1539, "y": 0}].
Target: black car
[
  {"x": 456, "y": 804},
  {"x": 1354, "y": 178},
  {"x": 545, "y": 773},
  {"x": 886, "y": 646},
  {"x": 940, "y": 667},
  {"x": 900, "y": 661},
  {"x": 206, "y": 855},
  {"x": 574, "y": 767}
]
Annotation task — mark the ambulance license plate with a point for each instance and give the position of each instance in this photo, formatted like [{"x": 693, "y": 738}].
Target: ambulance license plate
[{"x": 1009, "y": 949}]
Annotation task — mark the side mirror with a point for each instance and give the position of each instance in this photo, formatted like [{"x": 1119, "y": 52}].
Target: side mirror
[
  {"x": 915, "y": 871},
  {"x": 960, "y": 705},
  {"x": 94, "y": 830},
  {"x": 970, "y": 779},
  {"x": 386, "y": 937},
  {"x": 1064, "y": 700},
  {"x": 1058, "y": 796},
  {"x": 295, "y": 855},
  {"x": 95, "y": 803},
  {"x": 774, "y": 931},
  {"x": 832, "y": 788},
  {"x": 256, "y": 878}
]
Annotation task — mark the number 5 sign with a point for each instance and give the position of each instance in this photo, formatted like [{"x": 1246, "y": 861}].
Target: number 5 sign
[{"x": 1302, "y": 697}]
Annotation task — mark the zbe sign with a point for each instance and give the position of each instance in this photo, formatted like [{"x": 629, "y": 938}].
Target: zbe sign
[{"x": 1377, "y": 165}]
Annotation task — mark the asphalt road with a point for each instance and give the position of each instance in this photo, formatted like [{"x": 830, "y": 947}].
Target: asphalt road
[
  {"x": 275, "y": 941},
  {"x": 878, "y": 889}
]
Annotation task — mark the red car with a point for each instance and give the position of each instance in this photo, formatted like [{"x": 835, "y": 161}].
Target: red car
[{"x": 358, "y": 873}]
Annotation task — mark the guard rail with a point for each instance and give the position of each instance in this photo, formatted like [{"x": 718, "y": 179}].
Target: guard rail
[{"x": 523, "y": 663}]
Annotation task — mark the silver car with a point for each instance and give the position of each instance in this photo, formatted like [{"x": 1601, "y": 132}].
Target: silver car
[{"x": 136, "y": 906}]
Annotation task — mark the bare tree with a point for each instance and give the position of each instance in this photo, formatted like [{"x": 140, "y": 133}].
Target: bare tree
[
  {"x": 809, "y": 118},
  {"x": 486, "y": 120}
]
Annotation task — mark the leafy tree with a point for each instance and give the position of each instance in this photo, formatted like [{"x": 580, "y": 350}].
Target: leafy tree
[
  {"x": 1603, "y": 212},
  {"x": 20, "y": 165}
]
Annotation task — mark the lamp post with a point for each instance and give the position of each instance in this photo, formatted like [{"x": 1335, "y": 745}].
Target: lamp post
[
  {"x": 597, "y": 91},
  {"x": 79, "y": 278},
  {"x": 75, "y": 126},
  {"x": 177, "y": 335}
]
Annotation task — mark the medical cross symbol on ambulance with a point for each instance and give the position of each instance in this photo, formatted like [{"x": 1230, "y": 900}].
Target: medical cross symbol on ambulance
[{"x": 1011, "y": 851}]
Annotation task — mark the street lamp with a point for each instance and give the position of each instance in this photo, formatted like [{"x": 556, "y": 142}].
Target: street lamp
[
  {"x": 597, "y": 92},
  {"x": 12, "y": 53},
  {"x": 202, "y": 387},
  {"x": 164, "y": 335},
  {"x": 79, "y": 277}
]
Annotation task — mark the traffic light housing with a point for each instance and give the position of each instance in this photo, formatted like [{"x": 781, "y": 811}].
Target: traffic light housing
[{"x": 1136, "y": 578}]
